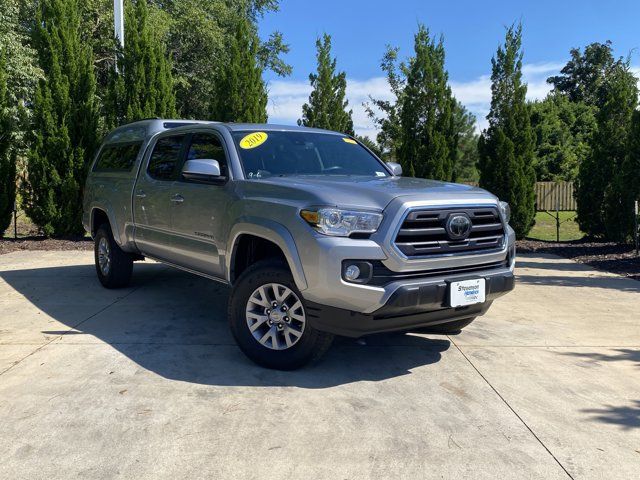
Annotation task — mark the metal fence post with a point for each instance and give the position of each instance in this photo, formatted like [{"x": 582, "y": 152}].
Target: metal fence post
[
  {"x": 15, "y": 219},
  {"x": 635, "y": 230},
  {"x": 558, "y": 219}
]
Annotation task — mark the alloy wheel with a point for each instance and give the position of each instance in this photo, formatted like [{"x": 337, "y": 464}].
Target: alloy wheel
[
  {"x": 275, "y": 316},
  {"x": 104, "y": 256}
]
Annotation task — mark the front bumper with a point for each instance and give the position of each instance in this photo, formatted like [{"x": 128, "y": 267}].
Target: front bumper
[
  {"x": 410, "y": 306},
  {"x": 321, "y": 258}
]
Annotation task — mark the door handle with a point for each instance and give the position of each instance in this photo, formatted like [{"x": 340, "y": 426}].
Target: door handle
[
  {"x": 177, "y": 198},
  {"x": 140, "y": 194}
]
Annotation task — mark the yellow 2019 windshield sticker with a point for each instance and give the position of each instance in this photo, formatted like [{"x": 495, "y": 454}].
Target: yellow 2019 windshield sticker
[
  {"x": 349, "y": 140},
  {"x": 253, "y": 140}
]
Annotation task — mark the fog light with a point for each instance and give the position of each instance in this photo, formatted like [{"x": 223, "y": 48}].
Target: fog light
[
  {"x": 351, "y": 273},
  {"x": 356, "y": 271}
]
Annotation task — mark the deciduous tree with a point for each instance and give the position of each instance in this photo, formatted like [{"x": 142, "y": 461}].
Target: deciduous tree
[
  {"x": 583, "y": 75},
  {"x": 197, "y": 38},
  {"x": 386, "y": 113}
]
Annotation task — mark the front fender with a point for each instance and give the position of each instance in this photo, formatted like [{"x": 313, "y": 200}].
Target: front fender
[
  {"x": 511, "y": 236},
  {"x": 274, "y": 232}
]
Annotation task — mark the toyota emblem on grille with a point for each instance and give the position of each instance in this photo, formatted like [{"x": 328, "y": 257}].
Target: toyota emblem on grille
[{"x": 458, "y": 226}]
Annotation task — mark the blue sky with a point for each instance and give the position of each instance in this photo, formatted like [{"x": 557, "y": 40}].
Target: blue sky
[{"x": 472, "y": 30}]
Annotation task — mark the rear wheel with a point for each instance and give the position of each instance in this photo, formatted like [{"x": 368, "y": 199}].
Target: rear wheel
[
  {"x": 113, "y": 266},
  {"x": 448, "y": 328},
  {"x": 268, "y": 319}
]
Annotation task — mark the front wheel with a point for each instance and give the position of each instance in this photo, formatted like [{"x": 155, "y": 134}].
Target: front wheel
[{"x": 268, "y": 319}]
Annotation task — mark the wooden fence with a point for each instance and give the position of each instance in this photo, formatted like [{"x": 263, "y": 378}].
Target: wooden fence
[
  {"x": 551, "y": 195},
  {"x": 555, "y": 196}
]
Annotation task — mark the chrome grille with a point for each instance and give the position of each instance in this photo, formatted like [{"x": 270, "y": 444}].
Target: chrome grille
[{"x": 423, "y": 232}]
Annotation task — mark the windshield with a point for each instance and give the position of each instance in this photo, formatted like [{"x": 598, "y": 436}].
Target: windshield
[{"x": 265, "y": 154}]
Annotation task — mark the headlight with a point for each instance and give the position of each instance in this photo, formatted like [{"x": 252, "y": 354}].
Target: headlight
[
  {"x": 505, "y": 209},
  {"x": 341, "y": 223}
]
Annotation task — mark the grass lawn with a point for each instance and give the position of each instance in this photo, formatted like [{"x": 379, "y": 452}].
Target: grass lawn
[{"x": 545, "y": 227}]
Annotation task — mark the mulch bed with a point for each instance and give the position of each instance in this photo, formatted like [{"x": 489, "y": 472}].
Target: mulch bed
[
  {"x": 607, "y": 256},
  {"x": 8, "y": 245}
]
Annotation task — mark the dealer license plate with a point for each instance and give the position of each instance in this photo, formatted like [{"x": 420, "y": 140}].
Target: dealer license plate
[{"x": 467, "y": 292}]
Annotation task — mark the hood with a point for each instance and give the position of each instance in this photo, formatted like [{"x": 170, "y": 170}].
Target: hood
[{"x": 365, "y": 192}]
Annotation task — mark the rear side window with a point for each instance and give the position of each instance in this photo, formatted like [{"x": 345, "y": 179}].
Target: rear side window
[
  {"x": 165, "y": 158},
  {"x": 117, "y": 158}
]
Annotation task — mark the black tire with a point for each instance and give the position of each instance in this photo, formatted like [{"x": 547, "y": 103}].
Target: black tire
[
  {"x": 308, "y": 348},
  {"x": 450, "y": 328},
  {"x": 118, "y": 274}
]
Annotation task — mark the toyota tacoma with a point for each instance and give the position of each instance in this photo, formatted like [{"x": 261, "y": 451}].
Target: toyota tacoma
[{"x": 315, "y": 234}]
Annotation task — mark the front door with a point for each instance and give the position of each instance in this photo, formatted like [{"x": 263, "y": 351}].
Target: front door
[
  {"x": 198, "y": 220},
  {"x": 152, "y": 200}
]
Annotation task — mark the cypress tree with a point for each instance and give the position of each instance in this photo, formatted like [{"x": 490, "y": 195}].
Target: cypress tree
[
  {"x": 465, "y": 168},
  {"x": 240, "y": 93},
  {"x": 65, "y": 120},
  {"x": 327, "y": 103},
  {"x": 7, "y": 153},
  {"x": 562, "y": 130},
  {"x": 603, "y": 205},
  {"x": 427, "y": 134},
  {"x": 143, "y": 86},
  {"x": 506, "y": 147},
  {"x": 631, "y": 175}
]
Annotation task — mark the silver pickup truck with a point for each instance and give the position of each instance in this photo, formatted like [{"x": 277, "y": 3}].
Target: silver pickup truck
[{"x": 316, "y": 236}]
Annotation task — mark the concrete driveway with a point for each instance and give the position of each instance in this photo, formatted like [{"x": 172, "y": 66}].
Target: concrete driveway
[{"x": 146, "y": 382}]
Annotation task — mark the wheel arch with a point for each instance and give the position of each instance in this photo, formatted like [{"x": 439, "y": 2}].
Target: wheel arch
[
  {"x": 260, "y": 231},
  {"x": 103, "y": 212},
  {"x": 98, "y": 217}
]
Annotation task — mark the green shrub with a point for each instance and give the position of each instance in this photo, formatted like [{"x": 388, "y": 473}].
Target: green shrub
[{"x": 65, "y": 121}]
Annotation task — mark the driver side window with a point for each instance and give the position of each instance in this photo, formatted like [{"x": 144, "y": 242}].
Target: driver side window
[
  {"x": 208, "y": 146},
  {"x": 165, "y": 158}
]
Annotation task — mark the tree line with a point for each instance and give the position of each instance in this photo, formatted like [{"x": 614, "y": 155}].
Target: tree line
[
  {"x": 586, "y": 130},
  {"x": 64, "y": 82}
]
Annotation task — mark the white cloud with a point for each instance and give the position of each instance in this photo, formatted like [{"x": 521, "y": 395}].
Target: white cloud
[
  {"x": 477, "y": 91},
  {"x": 476, "y": 94},
  {"x": 546, "y": 69},
  {"x": 286, "y": 97}
]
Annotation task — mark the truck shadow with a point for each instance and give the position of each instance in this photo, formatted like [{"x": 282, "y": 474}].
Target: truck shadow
[{"x": 175, "y": 325}]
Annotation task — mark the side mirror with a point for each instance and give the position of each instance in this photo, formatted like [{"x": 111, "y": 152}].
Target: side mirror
[
  {"x": 396, "y": 168},
  {"x": 206, "y": 170}
]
